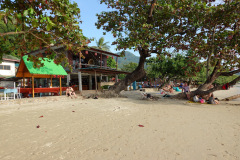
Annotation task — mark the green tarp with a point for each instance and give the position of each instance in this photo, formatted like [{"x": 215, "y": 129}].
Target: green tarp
[{"x": 49, "y": 68}]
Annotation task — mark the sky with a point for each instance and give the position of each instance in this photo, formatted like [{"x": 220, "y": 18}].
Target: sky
[{"x": 88, "y": 11}]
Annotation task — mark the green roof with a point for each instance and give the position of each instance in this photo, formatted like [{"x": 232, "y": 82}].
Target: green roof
[{"x": 49, "y": 68}]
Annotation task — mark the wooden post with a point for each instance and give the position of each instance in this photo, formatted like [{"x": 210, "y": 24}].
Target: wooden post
[
  {"x": 80, "y": 63},
  {"x": 23, "y": 82},
  {"x": 101, "y": 61},
  {"x": 96, "y": 82},
  {"x": 33, "y": 86},
  {"x": 60, "y": 79},
  {"x": 51, "y": 81},
  {"x": 117, "y": 64},
  {"x": 80, "y": 82}
]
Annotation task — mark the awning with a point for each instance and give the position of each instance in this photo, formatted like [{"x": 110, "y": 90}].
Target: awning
[{"x": 49, "y": 69}]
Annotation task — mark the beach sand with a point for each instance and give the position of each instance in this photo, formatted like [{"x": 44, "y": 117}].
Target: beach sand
[{"x": 120, "y": 129}]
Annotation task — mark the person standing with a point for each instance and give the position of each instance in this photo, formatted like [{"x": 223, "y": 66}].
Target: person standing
[{"x": 186, "y": 90}]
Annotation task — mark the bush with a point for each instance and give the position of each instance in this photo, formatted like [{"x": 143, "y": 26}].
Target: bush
[{"x": 105, "y": 87}]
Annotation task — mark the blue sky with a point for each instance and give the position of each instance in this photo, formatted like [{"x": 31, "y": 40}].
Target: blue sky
[{"x": 89, "y": 9}]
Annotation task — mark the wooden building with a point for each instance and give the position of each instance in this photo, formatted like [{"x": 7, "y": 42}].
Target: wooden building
[{"x": 89, "y": 67}]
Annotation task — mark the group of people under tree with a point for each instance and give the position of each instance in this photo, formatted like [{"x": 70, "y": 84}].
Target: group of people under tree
[{"x": 186, "y": 90}]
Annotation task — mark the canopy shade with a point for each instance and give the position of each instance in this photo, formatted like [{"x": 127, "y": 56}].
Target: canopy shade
[{"x": 26, "y": 69}]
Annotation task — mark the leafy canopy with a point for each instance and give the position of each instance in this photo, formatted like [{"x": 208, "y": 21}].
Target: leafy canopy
[
  {"x": 42, "y": 24},
  {"x": 151, "y": 25},
  {"x": 164, "y": 67}
]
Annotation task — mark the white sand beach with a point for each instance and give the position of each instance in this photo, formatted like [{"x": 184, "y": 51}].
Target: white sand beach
[{"x": 108, "y": 129}]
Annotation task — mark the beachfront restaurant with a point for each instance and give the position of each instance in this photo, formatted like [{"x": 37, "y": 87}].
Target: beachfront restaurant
[{"x": 35, "y": 80}]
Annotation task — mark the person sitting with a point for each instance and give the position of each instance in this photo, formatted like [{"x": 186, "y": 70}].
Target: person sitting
[
  {"x": 170, "y": 88},
  {"x": 146, "y": 96},
  {"x": 196, "y": 98},
  {"x": 70, "y": 92},
  {"x": 167, "y": 88},
  {"x": 213, "y": 100},
  {"x": 210, "y": 94}
]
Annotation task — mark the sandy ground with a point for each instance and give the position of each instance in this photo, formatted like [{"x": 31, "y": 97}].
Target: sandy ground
[{"x": 108, "y": 129}]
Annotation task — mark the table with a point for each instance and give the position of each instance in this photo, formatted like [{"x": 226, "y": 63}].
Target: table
[
  {"x": 5, "y": 91},
  {"x": 54, "y": 90}
]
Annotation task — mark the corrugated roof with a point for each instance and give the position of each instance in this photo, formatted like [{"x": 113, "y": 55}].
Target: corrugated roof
[
  {"x": 10, "y": 57},
  {"x": 49, "y": 68}
]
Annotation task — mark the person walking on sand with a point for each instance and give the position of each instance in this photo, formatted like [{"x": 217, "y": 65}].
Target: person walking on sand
[
  {"x": 186, "y": 90},
  {"x": 70, "y": 92}
]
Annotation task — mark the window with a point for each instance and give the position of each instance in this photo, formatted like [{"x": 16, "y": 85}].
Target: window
[{"x": 5, "y": 67}]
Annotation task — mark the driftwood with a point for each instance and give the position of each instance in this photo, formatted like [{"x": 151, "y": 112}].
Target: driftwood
[{"x": 231, "y": 98}]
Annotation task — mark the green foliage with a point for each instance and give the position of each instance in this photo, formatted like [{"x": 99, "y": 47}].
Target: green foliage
[
  {"x": 150, "y": 25},
  {"x": 223, "y": 79},
  {"x": 41, "y": 24},
  {"x": 129, "y": 67},
  {"x": 105, "y": 87},
  {"x": 170, "y": 67},
  {"x": 10, "y": 41},
  {"x": 102, "y": 45},
  {"x": 111, "y": 62}
]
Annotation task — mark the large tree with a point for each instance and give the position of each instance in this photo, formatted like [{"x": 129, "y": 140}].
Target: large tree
[
  {"x": 217, "y": 42},
  {"x": 42, "y": 24},
  {"x": 148, "y": 27},
  {"x": 157, "y": 25}
]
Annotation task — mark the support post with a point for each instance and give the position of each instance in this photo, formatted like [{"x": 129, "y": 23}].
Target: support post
[
  {"x": 116, "y": 78},
  {"x": 96, "y": 82},
  {"x": 23, "y": 82},
  {"x": 60, "y": 80},
  {"x": 80, "y": 82},
  {"x": 101, "y": 60},
  {"x": 51, "y": 82},
  {"x": 33, "y": 86},
  {"x": 68, "y": 78},
  {"x": 80, "y": 63},
  {"x": 117, "y": 63},
  {"x": 90, "y": 82},
  {"x": 107, "y": 78}
]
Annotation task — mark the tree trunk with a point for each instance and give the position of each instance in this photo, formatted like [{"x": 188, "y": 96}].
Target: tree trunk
[
  {"x": 137, "y": 74},
  {"x": 232, "y": 97},
  {"x": 204, "y": 89}
]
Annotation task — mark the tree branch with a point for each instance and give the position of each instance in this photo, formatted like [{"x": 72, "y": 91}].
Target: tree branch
[
  {"x": 150, "y": 17},
  {"x": 11, "y": 33},
  {"x": 215, "y": 73},
  {"x": 219, "y": 87},
  {"x": 229, "y": 73},
  {"x": 40, "y": 39}
]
